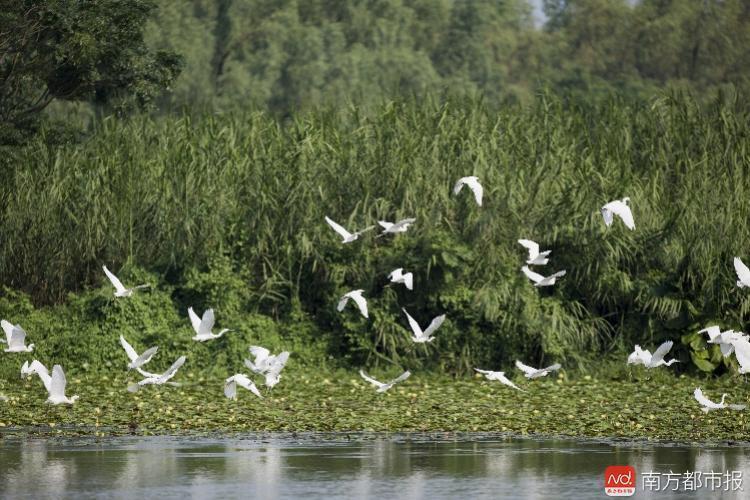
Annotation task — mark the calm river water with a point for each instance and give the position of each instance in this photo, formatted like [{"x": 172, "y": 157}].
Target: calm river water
[{"x": 358, "y": 466}]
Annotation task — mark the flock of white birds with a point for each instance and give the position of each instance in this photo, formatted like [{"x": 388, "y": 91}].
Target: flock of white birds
[{"x": 269, "y": 366}]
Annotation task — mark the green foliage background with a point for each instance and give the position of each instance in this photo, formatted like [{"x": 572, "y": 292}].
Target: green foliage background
[
  {"x": 227, "y": 211},
  {"x": 287, "y": 111}
]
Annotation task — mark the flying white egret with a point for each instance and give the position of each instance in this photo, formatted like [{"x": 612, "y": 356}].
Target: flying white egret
[
  {"x": 399, "y": 276},
  {"x": 346, "y": 236},
  {"x": 136, "y": 361},
  {"x": 708, "y": 405},
  {"x": 36, "y": 368},
  {"x": 743, "y": 273},
  {"x": 395, "y": 227},
  {"x": 120, "y": 290},
  {"x": 473, "y": 183},
  {"x": 530, "y": 372},
  {"x": 498, "y": 376},
  {"x": 356, "y": 296},
  {"x": 725, "y": 340},
  {"x": 158, "y": 378},
  {"x": 382, "y": 387},
  {"x": 420, "y": 336},
  {"x": 275, "y": 365},
  {"x": 261, "y": 364},
  {"x": 204, "y": 325},
  {"x": 536, "y": 257},
  {"x": 540, "y": 280},
  {"x": 230, "y": 386},
  {"x": 621, "y": 209},
  {"x": 56, "y": 388},
  {"x": 267, "y": 364},
  {"x": 16, "y": 337},
  {"x": 644, "y": 357}
]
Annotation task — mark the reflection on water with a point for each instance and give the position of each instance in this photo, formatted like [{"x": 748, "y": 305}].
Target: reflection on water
[{"x": 331, "y": 467}]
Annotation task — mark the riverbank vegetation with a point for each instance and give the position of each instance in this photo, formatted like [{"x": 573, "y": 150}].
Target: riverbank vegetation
[{"x": 206, "y": 169}]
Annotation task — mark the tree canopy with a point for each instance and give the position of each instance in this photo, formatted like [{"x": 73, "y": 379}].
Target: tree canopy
[{"x": 75, "y": 51}]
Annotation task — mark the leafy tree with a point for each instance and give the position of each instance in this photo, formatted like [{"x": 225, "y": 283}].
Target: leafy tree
[{"x": 88, "y": 50}]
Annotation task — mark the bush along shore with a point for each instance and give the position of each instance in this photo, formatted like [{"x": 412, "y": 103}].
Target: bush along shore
[{"x": 228, "y": 212}]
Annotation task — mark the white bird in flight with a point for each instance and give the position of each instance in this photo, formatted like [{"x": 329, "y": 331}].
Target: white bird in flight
[
  {"x": 261, "y": 363},
  {"x": 644, "y": 357},
  {"x": 346, "y": 236},
  {"x": 395, "y": 227},
  {"x": 37, "y": 368},
  {"x": 56, "y": 388},
  {"x": 382, "y": 387},
  {"x": 276, "y": 364},
  {"x": 120, "y": 290},
  {"x": 536, "y": 257},
  {"x": 420, "y": 336},
  {"x": 540, "y": 280},
  {"x": 230, "y": 386},
  {"x": 473, "y": 183},
  {"x": 356, "y": 296},
  {"x": 725, "y": 340},
  {"x": 399, "y": 276},
  {"x": 16, "y": 337},
  {"x": 530, "y": 372},
  {"x": 743, "y": 273},
  {"x": 267, "y": 364},
  {"x": 158, "y": 378},
  {"x": 498, "y": 376},
  {"x": 204, "y": 325},
  {"x": 621, "y": 209},
  {"x": 136, "y": 361},
  {"x": 708, "y": 405}
]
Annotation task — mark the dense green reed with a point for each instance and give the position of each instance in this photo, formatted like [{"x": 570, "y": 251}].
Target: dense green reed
[{"x": 227, "y": 211}]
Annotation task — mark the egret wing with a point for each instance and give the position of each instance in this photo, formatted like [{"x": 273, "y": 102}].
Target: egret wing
[
  {"x": 624, "y": 212},
  {"x": 660, "y": 352},
  {"x": 434, "y": 325},
  {"x": 7, "y": 328},
  {"x": 553, "y": 368},
  {"x": 248, "y": 384},
  {"x": 476, "y": 188},
  {"x": 400, "y": 378},
  {"x": 369, "y": 379},
  {"x": 703, "y": 400},
  {"x": 535, "y": 277},
  {"x": 132, "y": 355},
  {"x": 361, "y": 303},
  {"x": 743, "y": 273},
  {"x": 58, "y": 382},
  {"x": 338, "y": 228},
  {"x": 113, "y": 279},
  {"x": 194, "y": 320},
  {"x": 413, "y": 324},
  {"x": 207, "y": 322},
  {"x": 712, "y": 331},
  {"x": 17, "y": 337},
  {"x": 525, "y": 368},
  {"x": 230, "y": 387},
  {"x": 172, "y": 369},
  {"x": 532, "y": 246},
  {"x": 342, "y": 303},
  {"x": 146, "y": 356}
]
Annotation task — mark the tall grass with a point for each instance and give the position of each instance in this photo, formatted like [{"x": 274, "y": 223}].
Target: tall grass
[{"x": 247, "y": 195}]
